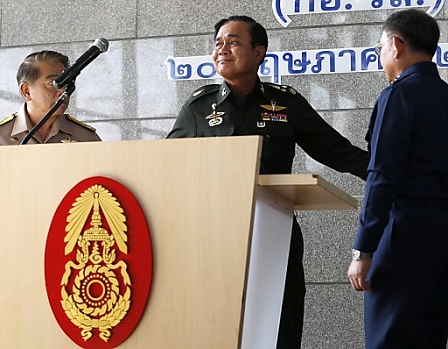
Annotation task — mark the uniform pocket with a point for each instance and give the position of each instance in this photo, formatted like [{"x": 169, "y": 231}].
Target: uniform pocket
[{"x": 278, "y": 146}]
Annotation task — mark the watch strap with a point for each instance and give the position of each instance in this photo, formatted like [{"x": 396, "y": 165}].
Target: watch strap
[{"x": 357, "y": 255}]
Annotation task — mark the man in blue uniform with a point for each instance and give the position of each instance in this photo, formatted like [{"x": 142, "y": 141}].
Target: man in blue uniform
[
  {"x": 243, "y": 105},
  {"x": 404, "y": 220}
]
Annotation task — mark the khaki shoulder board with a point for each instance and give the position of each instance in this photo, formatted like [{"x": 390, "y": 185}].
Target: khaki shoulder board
[
  {"x": 7, "y": 119},
  {"x": 283, "y": 88},
  {"x": 76, "y": 121}
]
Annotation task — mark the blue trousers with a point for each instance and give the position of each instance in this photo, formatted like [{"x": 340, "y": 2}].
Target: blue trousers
[{"x": 408, "y": 305}]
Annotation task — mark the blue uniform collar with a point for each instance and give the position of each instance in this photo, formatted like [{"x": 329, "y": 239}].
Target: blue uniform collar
[{"x": 426, "y": 67}]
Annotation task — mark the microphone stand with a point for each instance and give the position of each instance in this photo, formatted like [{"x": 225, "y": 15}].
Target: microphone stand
[{"x": 67, "y": 92}]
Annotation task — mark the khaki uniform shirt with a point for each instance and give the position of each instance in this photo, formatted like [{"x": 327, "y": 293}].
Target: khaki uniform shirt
[{"x": 66, "y": 129}]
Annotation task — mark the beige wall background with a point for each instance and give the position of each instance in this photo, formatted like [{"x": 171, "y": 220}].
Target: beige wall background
[{"x": 126, "y": 94}]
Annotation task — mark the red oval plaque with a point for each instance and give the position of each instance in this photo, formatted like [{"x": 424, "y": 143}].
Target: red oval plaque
[{"x": 98, "y": 263}]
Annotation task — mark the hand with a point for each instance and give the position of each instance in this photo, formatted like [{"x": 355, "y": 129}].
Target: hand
[{"x": 357, "y": 273}]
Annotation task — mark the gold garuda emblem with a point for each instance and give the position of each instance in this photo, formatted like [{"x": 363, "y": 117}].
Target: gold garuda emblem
[{"x": 96, "y": 287}]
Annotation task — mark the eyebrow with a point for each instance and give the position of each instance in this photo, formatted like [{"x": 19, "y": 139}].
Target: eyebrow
[
  {"x": 228, "y": 36},
  {"x": 52, "y": 76}
]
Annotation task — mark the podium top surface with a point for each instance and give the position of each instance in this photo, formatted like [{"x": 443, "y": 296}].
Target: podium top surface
[{"x": 308, "y": 191}]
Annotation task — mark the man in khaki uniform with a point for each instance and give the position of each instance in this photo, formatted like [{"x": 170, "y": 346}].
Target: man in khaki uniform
[{"x": 35, "y": 78}]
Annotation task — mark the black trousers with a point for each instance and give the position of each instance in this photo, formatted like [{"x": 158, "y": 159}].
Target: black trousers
[{"x": 291, "y": 320}]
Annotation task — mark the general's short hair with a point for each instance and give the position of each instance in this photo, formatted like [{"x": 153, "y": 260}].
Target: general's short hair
[
  {"x": 256, "y": 30},
  {"x": 416, "y": 28},
  {"x": 28, "y": 70}
]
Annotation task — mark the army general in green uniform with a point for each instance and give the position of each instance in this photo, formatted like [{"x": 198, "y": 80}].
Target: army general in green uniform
[
  {"x": 243, "y": 105},
  {"x": 35, "y": 78}
]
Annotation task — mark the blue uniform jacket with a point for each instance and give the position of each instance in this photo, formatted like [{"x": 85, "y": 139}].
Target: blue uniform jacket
[{"x": 408, "y": 145}]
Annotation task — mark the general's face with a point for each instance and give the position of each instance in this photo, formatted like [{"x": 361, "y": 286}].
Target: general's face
[
  {"x": 233, "y": 55},
  {"x": 41, "y": 95}
]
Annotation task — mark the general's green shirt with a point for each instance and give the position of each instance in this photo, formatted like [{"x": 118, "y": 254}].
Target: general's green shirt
[{"x": 278, "y": 113}]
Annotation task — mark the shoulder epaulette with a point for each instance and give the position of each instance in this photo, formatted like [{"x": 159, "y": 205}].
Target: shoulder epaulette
[
  {"x": 283, "y": 88},
  {"x": 76, "y": 121},
  {"x": 204, "y": 90},
  {"x": 7, "y": 119}
]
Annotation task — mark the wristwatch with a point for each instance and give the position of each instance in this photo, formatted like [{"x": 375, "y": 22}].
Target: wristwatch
[{"x": 357, "y": 255}]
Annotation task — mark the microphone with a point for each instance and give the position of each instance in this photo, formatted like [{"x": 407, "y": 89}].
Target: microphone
[{"x": 99, "y": 46}]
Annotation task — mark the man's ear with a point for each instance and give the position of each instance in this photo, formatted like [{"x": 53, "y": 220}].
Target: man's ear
[
  {"x": 398, "y": 47},
  {"x": 260, "y": 53},
  {"x": 24, "y": 89}
]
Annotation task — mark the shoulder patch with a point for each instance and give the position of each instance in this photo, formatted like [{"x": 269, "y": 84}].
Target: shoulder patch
[
  {"x": 76, "y": 121},
  {"x": 204, "y": 90},
  {"x": 284, "y": 88},
  {"x": 7, "y": 119}
]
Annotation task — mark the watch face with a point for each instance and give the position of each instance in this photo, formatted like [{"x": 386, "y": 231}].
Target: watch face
[
  {"x": 361, "y": 255},
  {"x": 356, "y": 254}
]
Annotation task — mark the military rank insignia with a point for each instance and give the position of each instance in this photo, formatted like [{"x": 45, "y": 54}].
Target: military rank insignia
[
  {"x": 215, "y": 118},
  {"x": 7, "y": 119},
  {"x": 272, "y": 112},
  {"x": 98, "y": 263}
]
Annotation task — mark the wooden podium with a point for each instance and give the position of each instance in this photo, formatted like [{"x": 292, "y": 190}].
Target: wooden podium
[{"x": 220, "y": 235}]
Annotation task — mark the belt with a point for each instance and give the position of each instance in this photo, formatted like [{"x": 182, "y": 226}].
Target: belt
[{"x": 421, "y": 203}]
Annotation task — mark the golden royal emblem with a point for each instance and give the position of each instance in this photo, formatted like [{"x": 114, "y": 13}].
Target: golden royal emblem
[{"x": 96, "y": 292}]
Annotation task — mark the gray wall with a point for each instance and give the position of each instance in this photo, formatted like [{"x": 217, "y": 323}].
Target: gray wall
[{"x": 126, "y": 95}]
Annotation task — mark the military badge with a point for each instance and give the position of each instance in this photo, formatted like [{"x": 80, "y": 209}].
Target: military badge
[
  {"x": 7, "y": 119},
  {"x": 215, "y": 118},
  {"x": 98, "y": 263},
  {"x": 292, "y": 90},
  {"x": 197, "y": 93},
  {"x": 272, "y": 115},
  {"x": 272, "y": 107}
]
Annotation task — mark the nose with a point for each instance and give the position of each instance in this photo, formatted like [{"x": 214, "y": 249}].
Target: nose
[
  {"x": 60, "y": 91},
  {"x": 224, "y": 49}
]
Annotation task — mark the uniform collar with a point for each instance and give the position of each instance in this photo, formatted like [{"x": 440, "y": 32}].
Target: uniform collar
[
  {"x": 225, "y": 91},
  {"x": 426, "y": 67},
  {"x": 23, "y": 124}
]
